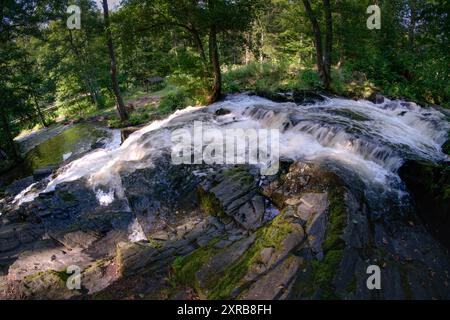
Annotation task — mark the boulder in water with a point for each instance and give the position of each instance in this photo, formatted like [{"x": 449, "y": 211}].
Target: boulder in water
[
  {"x": 44, "y": 172},
  {"x": 376, "y": 98}
]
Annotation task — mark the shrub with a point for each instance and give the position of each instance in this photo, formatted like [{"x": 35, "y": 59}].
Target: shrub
[
  {"x": 173, "y": 101},
  {"x": 115, "y": 123},
  {"x": 138, "y": 118}
]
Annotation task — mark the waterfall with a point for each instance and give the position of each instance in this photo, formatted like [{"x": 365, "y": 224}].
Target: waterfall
[{"x": 370, "y": 140}]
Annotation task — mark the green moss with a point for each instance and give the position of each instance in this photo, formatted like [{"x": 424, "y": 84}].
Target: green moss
[
  {"x": 155, "y": 244},
  {"x": 337, "y": 221},
  {"x": 184, "y": 268},
  {"x": 320, "y": 274},
  {"x": 209, "y": 204},
  {"x": 63, "y": 275},
  {"x": 324, "y": 271},
  {"x": 270, "y": 235}
]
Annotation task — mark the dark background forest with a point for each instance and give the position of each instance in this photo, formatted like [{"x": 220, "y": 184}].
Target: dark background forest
[{"x": 190, "y": 52}]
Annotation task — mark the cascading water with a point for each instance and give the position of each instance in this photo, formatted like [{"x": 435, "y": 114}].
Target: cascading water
[{"x": 359, "y": 138}]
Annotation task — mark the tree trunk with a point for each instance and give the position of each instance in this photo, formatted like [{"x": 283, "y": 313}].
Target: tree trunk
[
  {"x": 413, "y": 21},
  {"x": 216, "y": 91},
  {"x": 322, "y": 66},
  {"x": 39, "y": 111},
  {"x": 87, "y": 78},
  {"x": 328, "y": 41},
  {"x": 113, "y": 69},
  {"x": 11, "y": 145}
]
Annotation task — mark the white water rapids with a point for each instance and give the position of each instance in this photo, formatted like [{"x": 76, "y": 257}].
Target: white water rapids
[{"x": 371, "y": 140}]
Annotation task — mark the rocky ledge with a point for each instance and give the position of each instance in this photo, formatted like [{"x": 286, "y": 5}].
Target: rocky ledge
[{"x": 190, "y": 232}]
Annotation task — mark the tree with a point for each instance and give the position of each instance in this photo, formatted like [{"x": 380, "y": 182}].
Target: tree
[
  {"x": 323, "y": 53},
  {"x": 18, "y": 19},
  {"x": 113, "y": 65},
  {"x": 203, "y": 22}
]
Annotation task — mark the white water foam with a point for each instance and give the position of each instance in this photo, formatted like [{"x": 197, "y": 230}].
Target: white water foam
[{"x": 371, "y": 139}]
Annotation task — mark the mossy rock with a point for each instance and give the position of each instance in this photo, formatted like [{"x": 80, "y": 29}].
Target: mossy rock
[
  {"x": 318, "y": 276},
  {"x": 229, "y": 283},
  {"x": 349, "y": 114}
]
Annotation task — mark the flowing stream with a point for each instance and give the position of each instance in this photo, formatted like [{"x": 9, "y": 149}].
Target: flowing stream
[{"x": 363, "y": 142}]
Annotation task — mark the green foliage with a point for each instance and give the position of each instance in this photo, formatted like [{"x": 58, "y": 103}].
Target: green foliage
[
  {"x": 255, "y": 77},
  {"x": 50, "y": 72},
  {"x": 138, "y": 118},
  {"x": 115, "y": 123},
  {"x": 173, "y": 101}
]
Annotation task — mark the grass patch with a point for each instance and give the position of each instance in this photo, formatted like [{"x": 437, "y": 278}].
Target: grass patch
[{"x": 209, "y": 204}]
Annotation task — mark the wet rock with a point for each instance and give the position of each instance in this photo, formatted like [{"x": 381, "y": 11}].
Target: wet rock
[
  {"x": 275, "y": 283},
  {"x": 301, "y": 97},
  {"x": 266, "y": 254},
  {"x": 99, "y": 144},
  {"x": 304, "y": 97},
  {"x": 236, "y": 190},
  {"x": 155, "y": 195},
  {"x": 99, "y": 276},
  {"x": 222, "y": 112},
  {"x": 161, "y": 235},
  {"x": 9, "y": 244},
  {"x": 220, "y": 262},
  {"x": 132, "y": 257},
  {"x": 311, "y": 204},
  {"x": 316, "y": 233},
  {"x": 17, "y": 186},
  {"x": 376, "y": 98},
  {"x": 42, "y": 286},
  {"x": 43, "y": 173}
]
